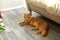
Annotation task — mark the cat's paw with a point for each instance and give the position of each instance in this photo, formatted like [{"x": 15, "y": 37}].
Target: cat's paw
[
  {"x": 38, "y": 33},
  {"x": 21, "y": 24}
]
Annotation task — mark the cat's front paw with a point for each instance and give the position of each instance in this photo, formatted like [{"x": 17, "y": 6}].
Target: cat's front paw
[{"x": 21, "y": 24}]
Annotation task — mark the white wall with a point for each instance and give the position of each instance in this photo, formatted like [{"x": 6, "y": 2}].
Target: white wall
[
  {"x": 0, "y": 4},
  {"x": 6, "y": 4}
]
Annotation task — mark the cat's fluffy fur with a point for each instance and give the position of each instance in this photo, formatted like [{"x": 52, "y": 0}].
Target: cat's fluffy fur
[{"x": 39, "y": 24}]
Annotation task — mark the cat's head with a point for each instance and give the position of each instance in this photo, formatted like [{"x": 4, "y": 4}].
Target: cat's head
[{"x": 27, "y": 16}]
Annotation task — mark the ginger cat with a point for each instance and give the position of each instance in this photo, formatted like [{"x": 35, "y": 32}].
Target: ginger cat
[{"x": 39, "y": 24}]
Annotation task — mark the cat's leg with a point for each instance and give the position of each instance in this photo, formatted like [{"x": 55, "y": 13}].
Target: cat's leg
[
  {"x": 45, "y": 30},
  {"x": 39, "y": 31},
  {"x": 44, "y": 33},
  {"x": 22, "y": 23}
]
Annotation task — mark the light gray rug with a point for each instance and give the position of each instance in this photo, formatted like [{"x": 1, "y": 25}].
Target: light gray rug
[{"x": 16, "y": 32}]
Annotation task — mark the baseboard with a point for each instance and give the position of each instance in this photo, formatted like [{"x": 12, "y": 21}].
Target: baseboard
[{"x": 13, "y": 8}]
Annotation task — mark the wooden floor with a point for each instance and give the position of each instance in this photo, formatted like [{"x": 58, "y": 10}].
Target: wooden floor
[{"x": 16, "y": 32}]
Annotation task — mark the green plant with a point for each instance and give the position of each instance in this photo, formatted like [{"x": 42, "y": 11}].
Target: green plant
[{"x": 2, "y": 26}]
